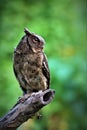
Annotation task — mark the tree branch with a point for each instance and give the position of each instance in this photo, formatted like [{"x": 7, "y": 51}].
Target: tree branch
[{"x": 22, "y": 111}]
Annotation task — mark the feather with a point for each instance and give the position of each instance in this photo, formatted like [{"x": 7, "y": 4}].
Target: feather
[{"x": 45, "y": 69}]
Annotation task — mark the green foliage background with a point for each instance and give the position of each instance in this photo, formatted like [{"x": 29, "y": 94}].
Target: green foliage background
[{"x": 63, "y": 25}]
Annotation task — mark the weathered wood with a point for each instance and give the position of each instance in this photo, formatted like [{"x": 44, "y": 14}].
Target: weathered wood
[{"x": 22, "y": 111}]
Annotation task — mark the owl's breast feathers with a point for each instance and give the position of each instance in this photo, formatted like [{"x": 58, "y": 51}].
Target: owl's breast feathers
[{"x": 32, "y": 71}]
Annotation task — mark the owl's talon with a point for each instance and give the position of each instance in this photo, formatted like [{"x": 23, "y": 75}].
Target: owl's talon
[
  {"x": 22, "y": 99},
  {"x": 25, "y": 97}
]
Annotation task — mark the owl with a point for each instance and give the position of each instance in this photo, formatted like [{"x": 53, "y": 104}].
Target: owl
[{"x": 30, "y": 64}]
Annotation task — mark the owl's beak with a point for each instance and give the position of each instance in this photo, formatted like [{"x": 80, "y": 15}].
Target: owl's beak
[
  {"x": 27, "y": 31},
  {"x": 39, "y": 49}
]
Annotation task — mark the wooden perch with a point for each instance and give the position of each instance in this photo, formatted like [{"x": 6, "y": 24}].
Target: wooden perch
[{"x": 22, "y": 111}]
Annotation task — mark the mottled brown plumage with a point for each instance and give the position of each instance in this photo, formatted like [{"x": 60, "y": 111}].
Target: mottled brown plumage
[{"x": 30, "y": 64}]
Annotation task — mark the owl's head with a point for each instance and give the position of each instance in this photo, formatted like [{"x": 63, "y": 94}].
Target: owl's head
[{"x": 35, "y": 41}]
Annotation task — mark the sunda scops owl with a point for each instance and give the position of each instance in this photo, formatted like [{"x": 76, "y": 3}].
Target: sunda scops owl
[{"x": 30, "y": 63}]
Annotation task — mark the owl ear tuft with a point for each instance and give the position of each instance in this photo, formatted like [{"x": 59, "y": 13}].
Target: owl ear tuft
[{"x": 27, "y": 31}]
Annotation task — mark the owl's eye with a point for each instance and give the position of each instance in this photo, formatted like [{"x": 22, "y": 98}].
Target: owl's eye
[{"x": 35, "y": 39}]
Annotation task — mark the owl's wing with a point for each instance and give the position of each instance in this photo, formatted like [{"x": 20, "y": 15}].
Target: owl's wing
[{"x": 45, "y": 69}]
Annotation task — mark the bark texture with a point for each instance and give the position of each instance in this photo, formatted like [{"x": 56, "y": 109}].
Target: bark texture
[{"x": 23, "y": 110}]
